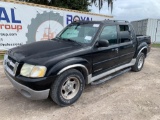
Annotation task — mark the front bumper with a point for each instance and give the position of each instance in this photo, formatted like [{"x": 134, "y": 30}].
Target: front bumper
[{"x": 28, "y": 92}]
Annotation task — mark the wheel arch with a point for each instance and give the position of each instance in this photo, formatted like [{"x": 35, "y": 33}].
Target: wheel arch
[
  {"x": 143, "y": 47},
  {"x": 78, "y": 67},
  {"x": 143, "y": 50},
  {"x": 79, "y": 64}
]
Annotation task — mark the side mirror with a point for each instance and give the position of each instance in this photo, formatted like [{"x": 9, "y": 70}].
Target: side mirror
[{"x": 102, "y": 43}]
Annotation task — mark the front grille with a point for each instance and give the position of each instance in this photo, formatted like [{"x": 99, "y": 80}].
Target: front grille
[
  {"x": 10, "y": 65},
  {"x": 14, "y": 61}
]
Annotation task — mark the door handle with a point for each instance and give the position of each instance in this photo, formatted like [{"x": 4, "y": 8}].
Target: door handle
[{"x": 115, "y": 49}]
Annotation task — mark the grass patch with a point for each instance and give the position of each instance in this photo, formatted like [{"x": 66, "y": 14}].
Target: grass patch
[
  {"x": 156, "y": 45},
  {"x": 1, "y": 57}
]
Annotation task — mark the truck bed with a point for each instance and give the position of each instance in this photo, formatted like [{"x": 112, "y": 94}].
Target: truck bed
[{"x": 142, "y": 38}]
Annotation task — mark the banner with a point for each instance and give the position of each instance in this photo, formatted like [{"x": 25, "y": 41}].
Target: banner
[{"x": 22, "y": 24}]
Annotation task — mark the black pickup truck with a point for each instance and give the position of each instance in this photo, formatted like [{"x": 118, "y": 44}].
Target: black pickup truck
[{"x": 84, "y": 52}]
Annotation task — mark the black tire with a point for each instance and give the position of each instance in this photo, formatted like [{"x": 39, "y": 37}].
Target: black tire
[
  {"x": 57, "y": 91},
  {"x": 137, "y": 67}
]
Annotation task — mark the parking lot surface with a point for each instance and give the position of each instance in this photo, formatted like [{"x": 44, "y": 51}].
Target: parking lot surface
[{"x": 131, "y": 96}]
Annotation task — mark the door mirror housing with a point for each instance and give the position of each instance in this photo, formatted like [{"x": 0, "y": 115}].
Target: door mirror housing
[{"x": 102, "y": 43}]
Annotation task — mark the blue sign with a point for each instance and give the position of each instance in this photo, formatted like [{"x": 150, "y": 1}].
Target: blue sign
[
  {"x": 4, "y": 16},
  {"x": 71, "y": 18}
]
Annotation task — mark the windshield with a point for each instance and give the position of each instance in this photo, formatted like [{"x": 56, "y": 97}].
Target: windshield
[{"x": 80, "y": 33}]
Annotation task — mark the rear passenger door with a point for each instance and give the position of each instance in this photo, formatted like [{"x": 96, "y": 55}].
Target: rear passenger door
[{"x": 127, "y": 45}]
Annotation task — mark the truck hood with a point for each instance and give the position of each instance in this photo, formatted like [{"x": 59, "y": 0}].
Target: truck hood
[{"x": 39, "y": 52}]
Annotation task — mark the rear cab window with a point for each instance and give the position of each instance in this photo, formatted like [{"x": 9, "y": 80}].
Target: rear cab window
[{"x": 124, "y": 33}]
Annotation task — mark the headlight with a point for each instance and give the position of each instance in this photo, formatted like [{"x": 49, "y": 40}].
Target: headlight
[{"x": 33, "y": 71}]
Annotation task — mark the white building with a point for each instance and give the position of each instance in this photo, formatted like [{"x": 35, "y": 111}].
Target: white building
[{"x": 149, "y": 27}]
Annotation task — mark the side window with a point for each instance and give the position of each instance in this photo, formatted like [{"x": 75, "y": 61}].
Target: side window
[
  {"x": 124, "y": 28},
  {"x": 109, "y": 33},
  {"x": 124, "y": 33}
]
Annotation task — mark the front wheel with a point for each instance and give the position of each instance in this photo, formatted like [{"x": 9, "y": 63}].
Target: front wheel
[
  {"x": 139, "y": 62},
  {"x": 67, "y": 88}
]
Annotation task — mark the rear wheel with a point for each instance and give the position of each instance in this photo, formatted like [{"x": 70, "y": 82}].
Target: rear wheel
[
  {"x": 67, "y": 88},
  {"x": 139, "y": 62}
]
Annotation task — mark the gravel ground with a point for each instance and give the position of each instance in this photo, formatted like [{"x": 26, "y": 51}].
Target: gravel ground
[{"x": 131, "y": 96}]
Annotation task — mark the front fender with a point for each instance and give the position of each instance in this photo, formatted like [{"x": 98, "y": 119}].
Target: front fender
[{"x": 68, "y": 64}]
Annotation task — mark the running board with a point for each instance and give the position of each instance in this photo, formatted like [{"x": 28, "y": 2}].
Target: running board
[{"x": 110, "y": 77}]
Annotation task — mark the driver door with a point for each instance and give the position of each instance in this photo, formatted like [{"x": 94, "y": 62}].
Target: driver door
[{"x": 105, "y": 58}]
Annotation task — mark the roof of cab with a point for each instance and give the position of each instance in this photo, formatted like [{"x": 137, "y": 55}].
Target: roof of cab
[{"x": 104, "y": 22}]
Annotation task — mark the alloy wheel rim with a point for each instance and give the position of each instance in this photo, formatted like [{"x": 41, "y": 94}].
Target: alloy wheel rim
[
  {"x": 140, "y": 62},
  {"x": 70, "y": 88}
]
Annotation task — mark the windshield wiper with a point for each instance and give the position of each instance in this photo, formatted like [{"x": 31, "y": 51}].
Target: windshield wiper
[
  {"x": 70, "y": 40},
  {"x": 57, "y": 39}
]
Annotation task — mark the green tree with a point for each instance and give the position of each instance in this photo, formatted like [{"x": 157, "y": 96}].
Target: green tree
[
  {"x": 99, "y": 3},
  {"x": 81, "y": 5}
]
